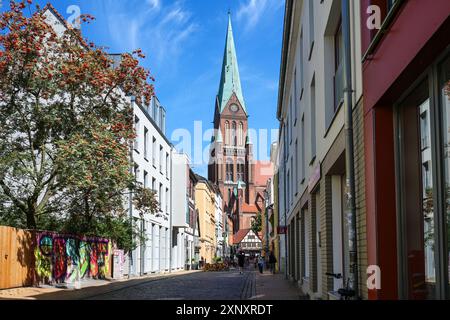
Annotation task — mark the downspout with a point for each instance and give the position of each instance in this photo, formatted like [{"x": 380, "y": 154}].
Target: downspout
[
  {"x": 171, "y": 213},
  {"x": 130, "y": 204},
  {"x": 349, "y": 149},
  {"x": 285, "y": 221}
]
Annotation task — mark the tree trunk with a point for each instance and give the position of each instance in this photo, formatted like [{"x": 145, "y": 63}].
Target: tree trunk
[{"x": 31, "y": 218}]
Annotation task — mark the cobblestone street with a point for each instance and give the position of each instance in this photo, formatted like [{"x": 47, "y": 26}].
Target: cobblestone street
[
  {"x": 203, "y": 286},
  {"x": 188, "y": 285}
]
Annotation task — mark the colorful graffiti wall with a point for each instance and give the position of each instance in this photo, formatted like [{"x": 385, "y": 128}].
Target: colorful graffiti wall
[{"x": 66, "y": 259}]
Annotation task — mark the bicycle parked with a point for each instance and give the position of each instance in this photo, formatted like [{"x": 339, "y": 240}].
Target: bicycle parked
[{"x": 345, "y": 293}]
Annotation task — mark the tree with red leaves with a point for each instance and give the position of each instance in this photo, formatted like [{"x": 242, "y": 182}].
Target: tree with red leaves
[{"x": 65, "y": 122}]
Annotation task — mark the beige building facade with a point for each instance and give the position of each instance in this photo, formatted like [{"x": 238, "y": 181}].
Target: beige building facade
[{"x": 205, "y": 204}]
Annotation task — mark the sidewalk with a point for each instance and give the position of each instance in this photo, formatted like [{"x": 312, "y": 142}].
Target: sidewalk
[
  {"x": 89, "y": 288},
  {"x": 275, "y": 287}
]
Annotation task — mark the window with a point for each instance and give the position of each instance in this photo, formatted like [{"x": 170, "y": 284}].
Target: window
[
  {"x": 295, "y": 97},
  {"x": 137, "y": 129},
  {"x": 145, "y": 143},
  {"x": 154, "y": 184},
  {"x": 301, "y": 65},
  {"x": 302, "y": 163},
  {"x": 423, "y": 140},
  {"x": 292, "y": 181},
  {"x": 227, "y": 133},
  {"x": 311, "y": 27},
  {"x": 154, "y": 152},
  {"x": 160, "y": 194},
  {"x": 167, "y": 201},
  {"x": 425, "y": 128},
  {"x": 313, "y": 119},
  {"x": 233, "y": 134},
  {"x": 229, "y": 170},
  {"x": 241, "y": 134},
  {"x": 240, "y": 170},
  {"x": 136, "y": 171},
  {"x": 145, "y": 179},
  {"x": 296, "y": 162},
  {"x": 339, "y": 67},
  {"x": 161, "y": 159},
  {"x": 167, "y": 165},
  {"x": 288, "y": 185}
]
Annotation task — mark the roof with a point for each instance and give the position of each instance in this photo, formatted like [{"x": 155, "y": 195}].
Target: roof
[
  {"x": 201, "y": 179},
  {"x": 241, "y": 234},
  {"x": 52, "y": 9},
  {"x": 230, "y": 81},
  {"x": 249, "y": 208},
  {"x": 284, "y": 53}
]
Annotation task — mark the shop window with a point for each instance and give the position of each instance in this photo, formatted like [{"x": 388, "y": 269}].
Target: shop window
[
  {"x": 339, "y": 67},
  {"x": 417, "y": 197}
]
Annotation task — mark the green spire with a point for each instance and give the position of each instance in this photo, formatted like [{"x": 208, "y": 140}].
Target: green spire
[{"x": 230, "y": 81}]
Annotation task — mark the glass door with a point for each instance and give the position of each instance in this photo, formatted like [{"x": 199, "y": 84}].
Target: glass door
[
  {"x": 444, "y": 91},
  {"x": 416, "y": 192}
]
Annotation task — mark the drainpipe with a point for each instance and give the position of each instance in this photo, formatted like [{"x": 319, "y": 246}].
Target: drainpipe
[
  {"x": 170, "y": 210},
  {"x": 285, "y": 221},
  {"x": 130, "y": 204},
  {"x": 349, "y": 148}
]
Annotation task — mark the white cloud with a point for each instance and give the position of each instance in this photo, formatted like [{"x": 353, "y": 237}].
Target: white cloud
[
  {"x": 252, "y": 11},
  {"x": 161, "y": 33},
  {"x": 154, "y": 4}
]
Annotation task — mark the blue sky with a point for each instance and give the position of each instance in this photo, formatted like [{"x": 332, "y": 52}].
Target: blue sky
[{"x": 184, "y": 43}]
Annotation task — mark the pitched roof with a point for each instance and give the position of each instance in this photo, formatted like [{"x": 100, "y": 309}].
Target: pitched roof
[
  {"x": 240, "y": 235},
  {"x": 230, "y": 81},
  {"x": 49, "y": 7}
]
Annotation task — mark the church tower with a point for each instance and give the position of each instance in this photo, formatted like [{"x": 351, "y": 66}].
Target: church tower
[{"x": 231, "y": 165}]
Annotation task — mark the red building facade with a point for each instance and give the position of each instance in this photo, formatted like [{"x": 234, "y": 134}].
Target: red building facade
[{"x": 406, "y": 70}]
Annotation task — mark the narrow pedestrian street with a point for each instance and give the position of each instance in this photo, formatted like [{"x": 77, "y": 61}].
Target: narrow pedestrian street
[{"x": 227, "y": 285}]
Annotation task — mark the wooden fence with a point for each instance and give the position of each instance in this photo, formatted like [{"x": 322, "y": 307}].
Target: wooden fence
[
  {"x": 16, "y": 257},
  {"x": 31, "y": 257}
]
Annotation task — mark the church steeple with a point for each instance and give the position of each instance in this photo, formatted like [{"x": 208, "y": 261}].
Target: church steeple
[{"x": 230, "y": 81}]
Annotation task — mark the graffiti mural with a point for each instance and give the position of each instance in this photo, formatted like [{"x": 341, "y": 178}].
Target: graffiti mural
[{"x": 65, "y": 259}]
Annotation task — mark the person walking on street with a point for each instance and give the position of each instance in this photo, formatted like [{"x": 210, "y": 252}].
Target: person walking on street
[
  {"x": 261, "y": 264},
  {"x": 272, "y": 262},
  {"x": 241, "y": 261}
]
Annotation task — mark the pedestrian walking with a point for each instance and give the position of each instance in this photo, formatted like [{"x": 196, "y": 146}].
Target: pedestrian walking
[
  {"x": 241, "y": 262},
  {"x": 272, "y": 262},
  {"x": 261, "y": 264}
]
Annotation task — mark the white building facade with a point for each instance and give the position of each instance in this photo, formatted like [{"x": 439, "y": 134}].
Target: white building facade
[
  {"x": 311, "y": 154},
  {"x": 219, "y": 225},
  {"x": 151, "y": 158},
  {"x": 185, "y": 216}
]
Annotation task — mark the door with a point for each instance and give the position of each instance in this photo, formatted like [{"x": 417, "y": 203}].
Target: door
[{"x": 417, "y": 194}]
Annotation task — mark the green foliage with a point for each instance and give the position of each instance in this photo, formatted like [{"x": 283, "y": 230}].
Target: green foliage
[
  {"x": 65, "y": 130},
  {"x": 256, "y": 225},
  {"x": 145, "y": 200}
]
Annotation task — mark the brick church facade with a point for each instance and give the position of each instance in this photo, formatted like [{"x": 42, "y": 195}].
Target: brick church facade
[{"x": 232, "y": 167}]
